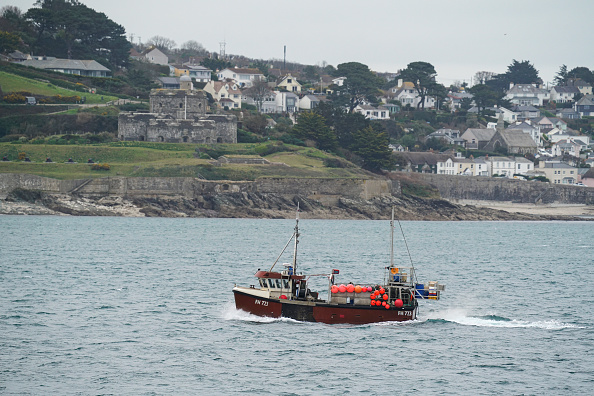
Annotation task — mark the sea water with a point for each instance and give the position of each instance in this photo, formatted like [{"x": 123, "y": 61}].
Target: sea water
[{"x": 144, "y": 306}]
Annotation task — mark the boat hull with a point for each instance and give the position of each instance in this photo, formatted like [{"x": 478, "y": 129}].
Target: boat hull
[{"x": 319, "y": 311}]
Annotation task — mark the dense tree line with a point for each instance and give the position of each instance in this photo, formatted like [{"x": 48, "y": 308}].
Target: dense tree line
[{"x": 67, "y": 29}]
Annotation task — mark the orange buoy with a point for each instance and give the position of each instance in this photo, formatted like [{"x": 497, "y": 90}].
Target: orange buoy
[
  {"x": 385, "y": 297},
  {"x": 283, "y": 297},
  {"x": 372, "y": 297},
  {"x": 387, "y": 306},
  {"x": 357, "y": 289},
  {"x": 375, "y": 293},
  {"x": 342, "y": 288},
  {"x": 350, "y": 288},
  {"x": 398, "y": 303},
  {"x": 373, "y": 302},
  {"x": 334, "y": 289}
]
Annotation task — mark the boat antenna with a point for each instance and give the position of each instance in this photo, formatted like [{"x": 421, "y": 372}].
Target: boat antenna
[{"x": 296, "y": 235}]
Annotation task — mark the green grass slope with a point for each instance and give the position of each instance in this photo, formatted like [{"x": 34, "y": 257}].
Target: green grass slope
[
  {"x": 144, "y": 159},
  {"x": 14, "y": 83}
]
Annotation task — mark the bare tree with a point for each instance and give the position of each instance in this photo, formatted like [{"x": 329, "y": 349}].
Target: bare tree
[
  {"x": 482, "y": 77},
  {"x": 258, "y": 92},
  {"x": 193, "y": 46},
  {"x": 163, "y": 43}
]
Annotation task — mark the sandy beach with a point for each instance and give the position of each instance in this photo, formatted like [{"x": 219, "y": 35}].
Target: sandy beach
[{"x": 535, "y": 209}]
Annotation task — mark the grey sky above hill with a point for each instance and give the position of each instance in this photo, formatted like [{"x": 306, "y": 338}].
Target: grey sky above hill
[{"x": 459, "y": 37}]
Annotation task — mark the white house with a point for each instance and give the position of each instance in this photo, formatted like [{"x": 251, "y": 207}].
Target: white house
[
  {"x": 527, "y": 95},
  {"x": 289, "y": 83},
  {"x": 558, "y": 172},
  {"x": 338, "y": 81},
  {"x": 245, "y": 78},
  {"x": 561, "y": 94},
  {"x": 406, "y": 93},
  {"x": 309, "y": 102},
  {"x": 569, "y": 146},
  {"x": 200, "y": 73},
  {"x": 523, "y": 165},
  {"x": 445, "y": 166},
  {"x": 154, "y": 55},
  {"x": 284, "y": 102},
  {"x": 227, "y": 93},
  {"x": 87, "y": 68},
  {"x": 373, "y": 113},
  {"x": 502, "y": 166}
]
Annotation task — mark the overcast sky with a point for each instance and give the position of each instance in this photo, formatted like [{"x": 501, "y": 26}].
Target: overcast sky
[{"x": 459, "y": 37}]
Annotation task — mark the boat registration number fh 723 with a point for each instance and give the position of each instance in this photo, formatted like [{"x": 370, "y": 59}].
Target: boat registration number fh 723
[
  {"x": 260, "y": 302},
  {"x": 404, "y": 313}
]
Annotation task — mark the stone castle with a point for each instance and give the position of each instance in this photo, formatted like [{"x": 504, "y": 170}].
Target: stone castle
[{"x": 178, "y": 116}]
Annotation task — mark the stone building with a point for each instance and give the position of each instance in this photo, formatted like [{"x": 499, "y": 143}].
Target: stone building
[{"x": 178, "y": 116}]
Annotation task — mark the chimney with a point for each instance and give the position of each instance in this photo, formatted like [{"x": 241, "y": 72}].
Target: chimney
[
  {"x": 400, "y": 82},
  {"x": 511, "y": 85}
]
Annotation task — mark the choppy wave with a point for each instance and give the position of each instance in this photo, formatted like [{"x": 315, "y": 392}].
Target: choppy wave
[
  {"x": 460, "y": 316},
  {"x": 229, "y": 312}
]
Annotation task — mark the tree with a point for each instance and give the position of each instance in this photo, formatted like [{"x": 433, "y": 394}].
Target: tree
[
  {"x": 262, "y": 66},
  {"x": 518, "y": 73},
  {"x": 215, "y": 64},
  {"x": 9, "y": 42},
  {"x": 422, "y": 76},
  {"x": 484, "y": 96},
  {"x": 561, "y": 76},
  {"x": 67, "y": 28},
  {"x": 523, "y": 73},
  {"x": 360, "y": 83},
  {"x": 193, "y": 46},
  {"x": 582, "y": 73},
  {"x": 310, "y": 73},
  {"x": 258, "y": 92},
  {"x": 313, "y": 126},
  {"x": 164, "y": 44},
  {"x": 481, "y": 77},
  {"x": 372, "y": 145}
]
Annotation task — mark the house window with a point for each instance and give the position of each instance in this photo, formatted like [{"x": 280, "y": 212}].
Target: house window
[{"x": 289, "y": 81}]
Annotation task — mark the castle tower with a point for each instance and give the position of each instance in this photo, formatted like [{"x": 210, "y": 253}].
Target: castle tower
[{"x": 185, "y": 83}]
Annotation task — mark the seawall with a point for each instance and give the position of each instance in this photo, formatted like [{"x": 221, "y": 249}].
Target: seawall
[
  {"x": 327, "y": 190},
  {"x": 498, "y": 189}
]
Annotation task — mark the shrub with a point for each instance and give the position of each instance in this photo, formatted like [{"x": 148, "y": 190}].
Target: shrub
[
  {"x": 22, "y": 156},
  {"x": 14, "y": 97},
  {"x": 247, "y": 137},
  {"x": 271, "y": 148},
  {"x": 290, "y": 139},
  {"x": 103, "y": 167},
  {"x": 336, "y": 163}
]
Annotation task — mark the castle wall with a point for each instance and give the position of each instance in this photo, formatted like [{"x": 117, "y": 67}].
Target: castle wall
[
  {"x": 178, "y": 103},
  {"x": 177, "y": 116}
]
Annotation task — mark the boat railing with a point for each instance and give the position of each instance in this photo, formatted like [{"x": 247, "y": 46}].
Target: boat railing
[{"x": 400, "y": 275}]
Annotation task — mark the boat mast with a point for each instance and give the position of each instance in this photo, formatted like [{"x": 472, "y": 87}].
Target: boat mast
[
  {"x": 392, "y": 239},
  {"x": 296, "y": 234}
]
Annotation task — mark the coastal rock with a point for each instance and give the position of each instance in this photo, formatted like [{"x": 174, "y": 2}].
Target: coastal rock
[{"x": 252, "y": 205}]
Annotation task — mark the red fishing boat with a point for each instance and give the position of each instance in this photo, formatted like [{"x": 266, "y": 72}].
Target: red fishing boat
[{"x": 286, "y": 294}]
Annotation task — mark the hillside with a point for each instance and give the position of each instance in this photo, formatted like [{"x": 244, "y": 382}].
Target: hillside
[
  {"x": 37, "y": 87},
  {"x": 144, "y": 159}
]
